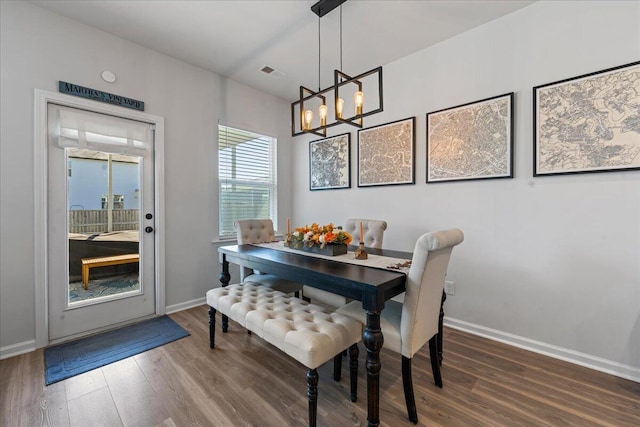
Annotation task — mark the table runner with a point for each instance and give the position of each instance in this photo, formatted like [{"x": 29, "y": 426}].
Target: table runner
[{"x": 374, "y": 261}]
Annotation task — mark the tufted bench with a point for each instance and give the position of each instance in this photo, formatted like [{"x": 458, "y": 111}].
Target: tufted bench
[{"x": 309, "y": 333}]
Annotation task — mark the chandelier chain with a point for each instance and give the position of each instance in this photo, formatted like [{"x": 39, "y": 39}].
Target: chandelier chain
[
  {"x": 341, "y": 38},
  {"x": 318, "y": 54}
]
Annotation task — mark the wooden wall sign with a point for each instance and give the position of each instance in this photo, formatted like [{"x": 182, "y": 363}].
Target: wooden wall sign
[{"x": 98, "y": 95}]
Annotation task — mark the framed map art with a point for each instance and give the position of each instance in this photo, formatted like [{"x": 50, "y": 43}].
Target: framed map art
[
  {"x": 386, "y": 154},
  {"x": 471, "y": 141},
  {"x": 330, "y": 163},
  {"x": 589, "y": 123}
]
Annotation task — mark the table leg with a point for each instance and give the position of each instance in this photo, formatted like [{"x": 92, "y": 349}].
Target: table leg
[
  {"x": 444, "y": 297},
  {"x": 373, "y": 340},
  {"x": 225, "y": 277}
]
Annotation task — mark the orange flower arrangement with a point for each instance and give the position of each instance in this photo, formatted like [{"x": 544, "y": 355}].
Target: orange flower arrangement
[{"x": 318, "y": 235}]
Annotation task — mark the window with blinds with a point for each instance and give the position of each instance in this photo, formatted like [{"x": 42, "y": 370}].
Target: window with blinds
[{"x": 247, "y": 177}]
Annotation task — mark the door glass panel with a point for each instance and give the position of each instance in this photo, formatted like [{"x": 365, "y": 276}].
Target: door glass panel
[{"x": 103, "y": 226}]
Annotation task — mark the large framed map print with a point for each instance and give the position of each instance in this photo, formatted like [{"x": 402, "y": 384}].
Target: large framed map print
[
  {"x": 471, "y": 141},
  {"x": 589, "y": 123},
  {"x": 330, "y": 163},
  {"x": 386, "y": 154}
]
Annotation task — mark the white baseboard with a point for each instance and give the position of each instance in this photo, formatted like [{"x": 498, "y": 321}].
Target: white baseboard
[
  {"x": 603, "y": 365},
  {"x": 185, "y": 305},
  {"x": 17, "y": 349}
]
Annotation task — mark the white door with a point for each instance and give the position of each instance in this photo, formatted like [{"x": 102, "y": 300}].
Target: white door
[{"x": 100, "y": 197}]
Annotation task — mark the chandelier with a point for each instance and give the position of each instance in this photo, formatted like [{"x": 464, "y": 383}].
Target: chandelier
[{"x": 345, "y": 98}]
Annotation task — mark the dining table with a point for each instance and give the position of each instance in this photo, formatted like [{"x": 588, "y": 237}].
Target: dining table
[{"x": 370, "y": 285}]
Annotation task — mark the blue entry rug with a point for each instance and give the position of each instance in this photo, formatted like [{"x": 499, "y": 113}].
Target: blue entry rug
[{"x": 76, "y": 357}]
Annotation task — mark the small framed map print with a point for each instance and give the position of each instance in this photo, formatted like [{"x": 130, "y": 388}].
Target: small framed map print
[
  {"x": 330, "y": 163},
  {"x": 589, "y": 123},
  {"x": 386, "y": 154},
  {"x": 471, "y": 141}
]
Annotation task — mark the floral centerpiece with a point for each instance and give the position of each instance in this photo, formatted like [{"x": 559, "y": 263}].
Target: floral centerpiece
[{"x": 326, "y": 239}]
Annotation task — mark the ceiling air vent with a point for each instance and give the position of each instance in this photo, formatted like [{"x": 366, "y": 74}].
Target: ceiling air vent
[{"x": 272, "y": 72}]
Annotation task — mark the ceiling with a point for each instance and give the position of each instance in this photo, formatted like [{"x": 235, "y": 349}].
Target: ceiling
[{"x": 238, "y": 38}]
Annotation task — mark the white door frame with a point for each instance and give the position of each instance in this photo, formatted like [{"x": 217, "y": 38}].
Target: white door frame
[{"x": 41, "y": 98}]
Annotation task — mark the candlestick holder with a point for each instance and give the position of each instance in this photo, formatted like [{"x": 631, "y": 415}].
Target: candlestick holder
[{"x": 361, "y": 253}]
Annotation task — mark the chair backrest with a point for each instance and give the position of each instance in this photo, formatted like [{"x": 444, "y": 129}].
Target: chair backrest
[
  {"x": 253, "y": 231},
  {"x": 373, "y": 230},
  {"x": 425, "y": 283}
]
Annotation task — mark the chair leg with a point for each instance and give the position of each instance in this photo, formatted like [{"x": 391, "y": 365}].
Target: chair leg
[
  {"x": 440, "y": 319},
  {"x": 212, "y": 327},
  {"x": 353, "y": 371},
  {"x": 312, "y": 394},
  {"x": 337, "y": 367},
  {"x": 435, "y": 363},
  {"x": 407, "y": 382}
]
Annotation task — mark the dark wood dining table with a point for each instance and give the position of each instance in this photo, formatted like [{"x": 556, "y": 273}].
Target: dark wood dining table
[{"x": 372, "y": 286}]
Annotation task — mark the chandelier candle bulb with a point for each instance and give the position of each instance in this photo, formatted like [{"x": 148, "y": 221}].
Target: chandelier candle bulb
[
  {"x": 323, "y": 115},
  {"x": 358, "y": 99},
  {"x": 308, "y": 118},
  {"x": 339, "y": 106}
]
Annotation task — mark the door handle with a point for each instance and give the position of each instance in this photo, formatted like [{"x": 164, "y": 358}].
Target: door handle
[{"x": 148, "y": 229}]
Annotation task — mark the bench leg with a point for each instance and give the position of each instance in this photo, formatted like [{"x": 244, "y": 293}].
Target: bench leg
[
  {"x": 212, "y": 327},
  {"x": 225, "y": 323},
  {"x": 85, "y": 276},
  {"x": 353, "y": 371},
  {"x": 312, "y": 394},
  {"x": 337, "y": 367}
]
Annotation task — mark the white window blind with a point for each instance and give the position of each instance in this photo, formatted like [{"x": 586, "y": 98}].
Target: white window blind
[
  {"x": 247, "y": 177},
  {"x": 75, "y": 128}
]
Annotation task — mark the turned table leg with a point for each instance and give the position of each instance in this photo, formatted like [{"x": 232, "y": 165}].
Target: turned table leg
[
  {"x": 225, "y": 277},
  {"x": 373, "y": 340}
]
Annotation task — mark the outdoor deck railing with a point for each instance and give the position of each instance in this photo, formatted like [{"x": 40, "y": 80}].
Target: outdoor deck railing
[{"x": 96, "y": 220}]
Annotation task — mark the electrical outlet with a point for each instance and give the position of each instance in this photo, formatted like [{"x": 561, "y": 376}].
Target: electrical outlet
[{"x": 449, "y": 288}]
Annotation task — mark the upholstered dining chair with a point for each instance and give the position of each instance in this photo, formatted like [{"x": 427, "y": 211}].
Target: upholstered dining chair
[
  {"x": 373, "y": 230},
  {"x": 407, "y": 327},
  {"x": 261, "y": 231}
]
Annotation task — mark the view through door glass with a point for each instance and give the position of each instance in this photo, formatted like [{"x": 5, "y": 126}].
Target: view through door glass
[{"x": 104, "y": 225}]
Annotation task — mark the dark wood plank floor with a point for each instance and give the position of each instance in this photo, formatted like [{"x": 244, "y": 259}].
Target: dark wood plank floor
[{"x": 246, "y": 382}]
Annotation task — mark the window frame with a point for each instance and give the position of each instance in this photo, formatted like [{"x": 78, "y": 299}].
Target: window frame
[{"x": 265, "y": 147}]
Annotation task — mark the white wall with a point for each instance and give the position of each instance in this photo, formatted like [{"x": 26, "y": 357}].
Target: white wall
[
  {"x": 38, "y": 48},
  {"x": 551, "y": 263}
]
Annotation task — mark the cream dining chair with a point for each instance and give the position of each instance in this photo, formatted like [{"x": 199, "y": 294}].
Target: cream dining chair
[
  {"x": 262, "y": 231},
  {"x": 373, "y": 231},
  {"x": 407, "y": 327}
]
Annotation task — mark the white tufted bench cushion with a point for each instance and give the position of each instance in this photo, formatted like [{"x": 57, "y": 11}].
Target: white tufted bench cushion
[
  {"x": 235, "y": 301},
  {"x": 309, "y": 333}
]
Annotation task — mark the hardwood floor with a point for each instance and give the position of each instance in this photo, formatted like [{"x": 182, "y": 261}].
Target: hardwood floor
[{"x": 246, "y": 382}]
